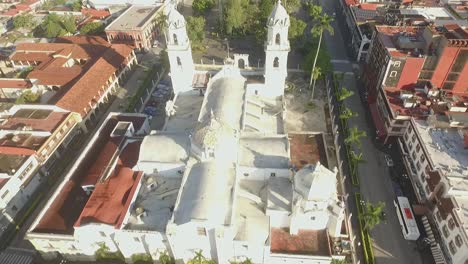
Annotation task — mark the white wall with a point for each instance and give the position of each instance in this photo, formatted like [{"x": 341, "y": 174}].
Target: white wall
[{"x": 163, "y": 169}]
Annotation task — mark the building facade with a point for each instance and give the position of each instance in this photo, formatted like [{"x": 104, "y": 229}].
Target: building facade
[{"x": 135, "y": 27}]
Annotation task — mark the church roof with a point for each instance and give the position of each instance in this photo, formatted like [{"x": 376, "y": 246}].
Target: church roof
[
  {"x": 165, "y": 147},
  {"x": 206, "y": 194},
  {"x": 278, "y": 16},
  {"x": 315, "y": 182},
  {"x": 224, "y": 98}
]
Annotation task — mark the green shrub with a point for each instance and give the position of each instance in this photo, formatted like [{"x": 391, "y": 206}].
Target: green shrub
[{"x": 142, "y": 258}]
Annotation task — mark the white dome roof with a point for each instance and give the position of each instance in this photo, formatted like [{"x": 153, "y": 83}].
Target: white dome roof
[
  {"x": 174, "y": 18},
  {"x": 278, "y": 16}
]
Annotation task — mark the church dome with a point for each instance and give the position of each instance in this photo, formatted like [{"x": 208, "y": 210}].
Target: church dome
[
  {"x": 278, "y": 16},
  {"x": 174, "y": 18},
  {"x": 210, "y": 133}
]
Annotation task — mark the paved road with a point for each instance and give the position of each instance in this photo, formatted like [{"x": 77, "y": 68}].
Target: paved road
[{"x": 375, "y": 185}]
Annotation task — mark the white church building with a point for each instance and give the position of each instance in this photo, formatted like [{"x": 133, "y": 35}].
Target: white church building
[{"x": 218, "y": 178}]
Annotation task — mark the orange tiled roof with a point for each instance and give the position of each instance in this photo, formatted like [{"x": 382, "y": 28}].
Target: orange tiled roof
[
  {"x": 89, "y": 87},
  {"x": 85, "y": 82}
]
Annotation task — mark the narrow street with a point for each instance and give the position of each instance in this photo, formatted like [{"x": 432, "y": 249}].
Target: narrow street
[{"x": 389, "y": 246}]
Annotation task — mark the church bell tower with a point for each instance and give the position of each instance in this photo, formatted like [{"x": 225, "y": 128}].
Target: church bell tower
[{"x": 276, "y": 51}]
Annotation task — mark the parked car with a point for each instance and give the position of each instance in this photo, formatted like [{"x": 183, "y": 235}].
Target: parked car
[{"x": 389, "y": 161}]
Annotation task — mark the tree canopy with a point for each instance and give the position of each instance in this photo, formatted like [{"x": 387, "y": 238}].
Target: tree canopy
[
  {"x": 196, "y": 30},
  {"x": 372, "y": 214},
  {"x": 28, "y": 97},
  {"x": 93, "y": 28},
  {"x": 55, "y": 25},
  {"x": 236, "y": 16},
  {"x": 24, "y": 21},
  {"x": 202, "y": 6},
  {"x": 296, "y": 28},
  {"x": 76, "y": 6}
]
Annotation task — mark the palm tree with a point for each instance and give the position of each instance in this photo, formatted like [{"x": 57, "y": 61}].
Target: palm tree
[
  {"x": 322, "y": 23},
  {"x": 161, "y": 21},
  {"x": 354, "y": 136},
  {"x": 347, "y": 114},
  {"x": 356, "y": 159},
  {"x": 343, "y": 93},
  {"x": 372, "y": 214},
  {"x": 164, "y": 258}
]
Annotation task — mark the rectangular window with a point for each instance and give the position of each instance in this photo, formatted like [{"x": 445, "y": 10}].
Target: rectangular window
[
  {"x": 5, "y": 194},
  {"x": 445, "y": 231},
  {"x": 418, "y": 148},
  {"x": 136, "y": 239},
  {"x": 393, "y": 73},
  {"x": 413, "y": 138},
  {"x": 102, "y": 234}
]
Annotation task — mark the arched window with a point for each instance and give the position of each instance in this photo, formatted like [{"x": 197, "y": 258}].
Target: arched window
[
  {"x": 277, "y": 39},
  {"x": 174, "y": 37},
  {"x": 241, "y": 63},
  {"x": 179, "y": 62},
  {"x": 276, "y": 62}
]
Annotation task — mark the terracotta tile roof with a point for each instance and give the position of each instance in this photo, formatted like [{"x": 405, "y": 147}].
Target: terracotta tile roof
[
  {"x": 367, "y": 6},
  {"x": 68, "y": 205},
  {"x": 306, "y": 149},
  {"x": 17, "y": 83},
  {"x": 410, "y": 73},
  {"x": 16, "y": 151},
  {"x": 88, "y": 89},
  {"x": 110, "y": 200},
  {"x": 95, "y": 13},
  {"x": 50, "y": 123},
  {"x": 82, "y": 86},
  {"x": 64, "y": 211},
  {"x": 351, "y": 2},
  {"x": 102, "y": 162},
  {"x": 91, "y": 40},
  {"x": 24, "y": 140},
  {"x": 306, "y": 242}
]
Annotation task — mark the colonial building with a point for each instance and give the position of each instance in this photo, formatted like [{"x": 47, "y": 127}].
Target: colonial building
[
  {"x": 222, "y": 177},
  {"x": 33, "y": 138},
  {"x": 436, "y": 157},
  {"x": 413, "y": 72},
  {"x": 135, "y": 27},
  {"x": 77, "y": 74}
]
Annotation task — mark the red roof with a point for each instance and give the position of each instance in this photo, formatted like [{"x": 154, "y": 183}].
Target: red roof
[
  {"x": 67, "y": 207},
  {"x": 102, "y": 161},
  {"x": 410, "y": 73},
  {"x": 306, "y": 149},
  {"x": 49, "y": 123},
  {"x": 16, "y": 151},
  {"x": 366, "y": 6},
  {"x": 461, "y": 86},
  {"x": 82, "y": 85},
  {"x": 110, "y": 200},
  {"x": 306, "y": 242},
  {"x": 447, "y": 58},
  {"x": 15, "y": 83},
  {"x": 351, "y": 2},
  {"x": 95, "y": 13},
  {"x": 89, "y": 87}
]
